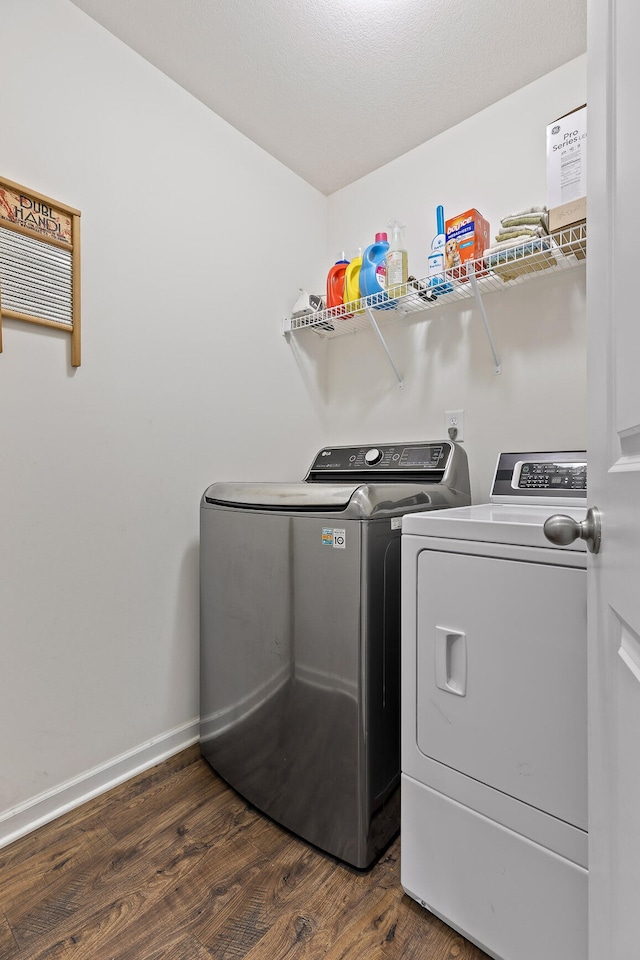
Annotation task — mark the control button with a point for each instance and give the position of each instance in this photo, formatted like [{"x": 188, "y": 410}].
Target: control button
[
  {"x": 373, "y": 456},
  {"x": 396, "y": 456},
  {"x": 352, "y": 458}
]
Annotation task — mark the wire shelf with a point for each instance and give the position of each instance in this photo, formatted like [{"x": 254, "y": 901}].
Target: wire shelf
[{"x": 559, "y": 251}]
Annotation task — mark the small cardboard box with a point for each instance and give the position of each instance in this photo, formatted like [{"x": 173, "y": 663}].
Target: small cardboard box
[
  {"x": 567, "y": 169},
  {"x": 568, "y": 215},
  {"x": 467, "y": 238}
]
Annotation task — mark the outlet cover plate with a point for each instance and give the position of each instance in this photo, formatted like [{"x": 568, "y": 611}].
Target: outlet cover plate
[{"x": 454, "y": 420}]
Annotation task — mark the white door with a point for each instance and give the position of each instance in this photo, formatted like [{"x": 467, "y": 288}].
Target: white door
[{"x": 614, "y": 478}]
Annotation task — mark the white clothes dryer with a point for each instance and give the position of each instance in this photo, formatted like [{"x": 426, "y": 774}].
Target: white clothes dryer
[{"x": 494, "y": 714}]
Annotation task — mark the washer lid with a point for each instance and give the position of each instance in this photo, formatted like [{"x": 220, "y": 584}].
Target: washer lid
[
  {"x": 282, "y": 496},
  {"x": 493, "y": 523}
]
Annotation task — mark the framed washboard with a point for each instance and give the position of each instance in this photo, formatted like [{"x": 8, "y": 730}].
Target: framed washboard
[{"x": 39, "y": 262}]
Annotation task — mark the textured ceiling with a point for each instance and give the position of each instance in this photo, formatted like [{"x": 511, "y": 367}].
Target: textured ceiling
[{"x": 336, "y": 88}]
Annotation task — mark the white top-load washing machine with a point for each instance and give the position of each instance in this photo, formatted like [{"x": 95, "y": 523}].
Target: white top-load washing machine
[{"x": 494, "y": 714}]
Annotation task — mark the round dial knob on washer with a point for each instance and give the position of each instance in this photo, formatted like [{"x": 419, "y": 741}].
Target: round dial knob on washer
[{"x": 373, "y": 456}]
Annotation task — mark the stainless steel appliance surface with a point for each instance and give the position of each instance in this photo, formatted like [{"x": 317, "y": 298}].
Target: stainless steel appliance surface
[{"x": 300, "y": 637}]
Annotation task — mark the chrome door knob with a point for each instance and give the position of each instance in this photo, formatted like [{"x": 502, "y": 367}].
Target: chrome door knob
[{"x": 563, "y": 530}]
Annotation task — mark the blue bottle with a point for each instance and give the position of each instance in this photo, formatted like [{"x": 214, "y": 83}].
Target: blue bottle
[
  {"x": 374, "y": 268},
  {"x": 437, "y": 276}
]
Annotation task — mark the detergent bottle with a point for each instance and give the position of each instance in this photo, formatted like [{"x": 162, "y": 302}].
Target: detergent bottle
[
  {"x": 374, "y": 267},
  {"x": 335, "y": 282},
  {"x": 397, "y": 266},
  {"x": 352, "y": 279}
]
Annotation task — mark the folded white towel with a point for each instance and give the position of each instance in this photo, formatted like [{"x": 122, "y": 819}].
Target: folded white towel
[
  {"x": 519, "y": 230},
  {"x": 528, "y": 212},
  {"x": 515, "y": 219},
  {"x": 524, "y": 240}
]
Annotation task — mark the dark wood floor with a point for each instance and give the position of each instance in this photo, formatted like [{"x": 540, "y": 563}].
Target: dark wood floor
[{"x": 175, "y": 865}]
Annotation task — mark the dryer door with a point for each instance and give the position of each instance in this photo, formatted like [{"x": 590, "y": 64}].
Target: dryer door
[{"x": 501, "y": 676}]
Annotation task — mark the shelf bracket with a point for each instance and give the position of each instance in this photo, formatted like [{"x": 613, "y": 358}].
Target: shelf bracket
[
  {"x": 374, "y": 324},
  {"x": 471, "y": 274}
]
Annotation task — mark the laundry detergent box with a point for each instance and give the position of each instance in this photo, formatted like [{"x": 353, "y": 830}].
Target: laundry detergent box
[{"x": 467, "y": 238}]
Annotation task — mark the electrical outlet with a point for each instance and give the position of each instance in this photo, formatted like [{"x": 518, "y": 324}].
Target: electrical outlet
[{"x": 454, "y": 425}]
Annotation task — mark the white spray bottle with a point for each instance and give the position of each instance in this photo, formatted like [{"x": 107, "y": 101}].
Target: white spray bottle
[{"x": 397, "y": 264}]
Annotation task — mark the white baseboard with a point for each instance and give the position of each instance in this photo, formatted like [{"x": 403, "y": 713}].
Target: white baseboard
[{"x": 33, "y": 813}]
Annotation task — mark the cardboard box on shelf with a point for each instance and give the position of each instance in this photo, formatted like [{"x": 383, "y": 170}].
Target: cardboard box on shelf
[
  {"x": 567, "y": 169},
  {"x": 569, "y": 225},
  {"x": 467, "y": 238},
  {"x": 568, "y": 215}
]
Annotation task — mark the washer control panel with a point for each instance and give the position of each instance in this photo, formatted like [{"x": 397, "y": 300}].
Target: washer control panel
[
  {"x": 540, "y": 476},
  {"x": 396, "y": 458}
]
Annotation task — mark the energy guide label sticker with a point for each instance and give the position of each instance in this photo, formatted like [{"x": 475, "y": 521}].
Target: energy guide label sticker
[{"x": 334, "y": 537}]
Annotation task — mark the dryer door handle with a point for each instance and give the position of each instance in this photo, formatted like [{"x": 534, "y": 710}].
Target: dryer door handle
[{"x": 451, "y": 661}]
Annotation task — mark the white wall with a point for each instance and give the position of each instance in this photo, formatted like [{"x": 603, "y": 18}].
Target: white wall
[
  {"x": 191, "y": 256},
  {"x": 495, "y": 162},
  {"x": 194, "y": 242}
]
